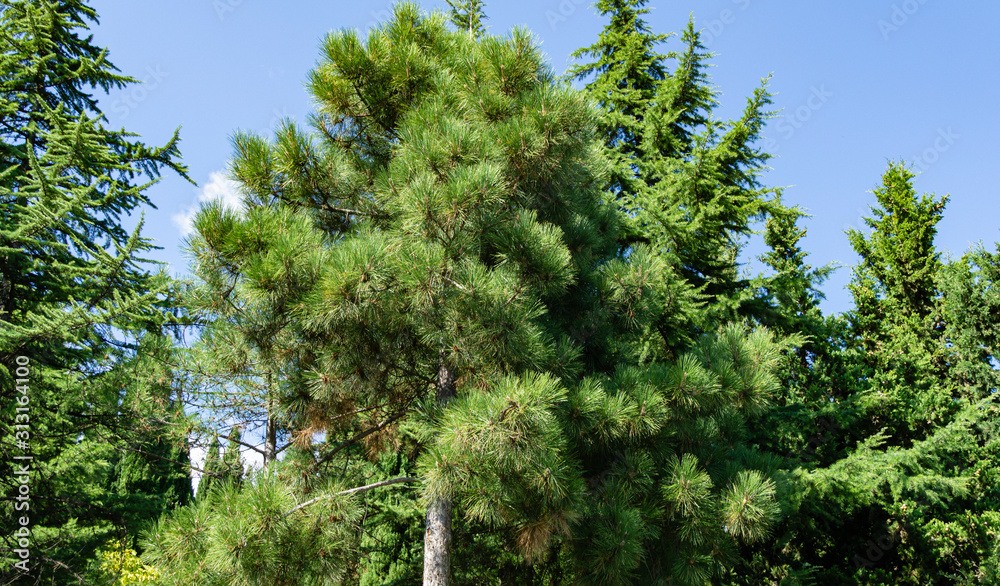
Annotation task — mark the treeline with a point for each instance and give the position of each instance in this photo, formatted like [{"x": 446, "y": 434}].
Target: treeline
[{"x": 480, "y": 327}]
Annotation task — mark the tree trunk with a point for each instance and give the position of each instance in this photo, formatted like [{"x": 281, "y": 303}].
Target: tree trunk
[
  {"x": 437, "y": 534},
  {"x": 270, "y": 440},
  {"x": 271, "y": 432}
]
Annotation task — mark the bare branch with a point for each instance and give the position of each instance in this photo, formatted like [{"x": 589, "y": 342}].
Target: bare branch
[{"x": 354, "y": 490}]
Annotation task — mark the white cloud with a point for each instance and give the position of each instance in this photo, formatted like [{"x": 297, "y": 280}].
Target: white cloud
[{"x": 219, "y": 188}]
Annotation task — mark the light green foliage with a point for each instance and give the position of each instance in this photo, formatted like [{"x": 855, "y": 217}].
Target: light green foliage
[
  {"x": 254, "y": 536},
  {"x": 791, "y": 295},
  {"x": 446, "y": 216},
  {"x": 504, "y": 457},
  {"x": 467, "y": 15},
  {"x": 120, "y": 565},
  {"x": 672, "y": 487}
]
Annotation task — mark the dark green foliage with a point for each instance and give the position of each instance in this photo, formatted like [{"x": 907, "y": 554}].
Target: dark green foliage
[
  {"x": 970, "y": 304},
  {"x": 77, "y": 300},
  {"x": 893, "y": 480},
  {"x": 791, "y": 295},
  {"x": 895, "y": 295},
  {"x": 688, "y": 183},
  {"x": 210, "y": 469},
  {"x": 672, "y": 486},
  {"x": 231, "y": 469}
]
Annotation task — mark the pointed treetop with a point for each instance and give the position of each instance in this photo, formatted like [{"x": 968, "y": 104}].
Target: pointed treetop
[{"x": 468, "y": 15}]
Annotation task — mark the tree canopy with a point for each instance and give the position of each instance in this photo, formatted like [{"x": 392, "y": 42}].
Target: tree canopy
[{"x": 479, "y": 326}]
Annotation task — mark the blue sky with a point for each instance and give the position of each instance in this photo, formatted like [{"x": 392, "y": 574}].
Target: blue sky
[{"x": 860, "y": 82}]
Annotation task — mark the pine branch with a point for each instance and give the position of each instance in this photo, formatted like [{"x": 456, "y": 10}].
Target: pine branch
[
  {"x": 354, "y": 490},
  {"x": 359, "y": 437}
]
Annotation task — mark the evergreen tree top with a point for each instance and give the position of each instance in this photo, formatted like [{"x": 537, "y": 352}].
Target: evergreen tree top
[
  {"x": 468, "y": 15},
  {"x": 899, "y": 254},
  {"x": 46, "y": 58}
]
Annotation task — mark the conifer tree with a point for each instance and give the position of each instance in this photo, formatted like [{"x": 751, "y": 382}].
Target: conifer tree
[
  {"x": 231, "y": 467},
  {"x": 969, "y": 309},
  {"x": 793, "y": 293},
  {"x": 468, "y": 15},
  {"x": 76, "y": 296},
  {"x": 904, "y": 439},
  {"x": 895, "y": 298},
  {"x": 210, "y": 469},
  {"x": 443, "y": 230},
  {"x": 688, "y": 183},
  {"x": 444, "y": 273},
  {"x": 627, "y": 73},
  {"x": 246, "y": 367},
  {"x": 150, "y": 471}
]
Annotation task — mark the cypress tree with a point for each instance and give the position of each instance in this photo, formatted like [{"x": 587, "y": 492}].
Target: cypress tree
[
  {"x": 231, "y": 468},
  {"x": 210, "y": 469},
  {"x": 895, "y": 297},
  {"x": 898, "y": 437},
  {"x": 968, "y": 310}
]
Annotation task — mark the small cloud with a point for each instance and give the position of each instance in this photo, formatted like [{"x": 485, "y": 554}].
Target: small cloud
[{"x": 219, "y": 188}]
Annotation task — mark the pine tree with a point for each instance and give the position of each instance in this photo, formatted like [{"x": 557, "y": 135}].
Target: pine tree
[
  {"x": 673, "y": 486},
  {"x": 442, "y": 230},
  {"x": 246, "y": 368},
  {"x": 445, "y": 276},
  {"x": 76, "y": 297}
]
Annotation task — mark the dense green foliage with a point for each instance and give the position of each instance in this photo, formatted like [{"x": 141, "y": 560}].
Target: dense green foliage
[
  {"x": 481, "y": 327},
  {"x": 81, "y": 311}
]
